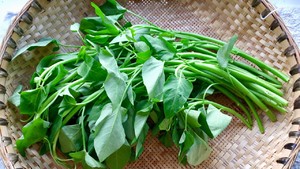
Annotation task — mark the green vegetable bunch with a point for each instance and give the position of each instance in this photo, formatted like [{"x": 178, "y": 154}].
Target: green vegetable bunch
[{"x": 97, "y": 104}]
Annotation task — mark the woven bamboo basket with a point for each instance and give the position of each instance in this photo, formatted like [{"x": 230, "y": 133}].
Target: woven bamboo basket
[{"x": 262, "y": 34}]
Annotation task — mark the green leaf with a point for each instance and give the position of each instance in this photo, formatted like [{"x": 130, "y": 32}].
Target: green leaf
[
  {"x": 141, "y": 139},
  {"x": 112, "y": 7},
  {"x": 110, "y": 134},
  {"x": 217, "y": 121},
  {"x": 15, "y": 98},
  {"x": 154, "y": 78},
  {"x": 143, "y": 109},
  {"x": 131, "y": 95},
  {"x": 163, "y": 49},
  {"x": 70, "y": 138},
  {"x": 93, "y": 25},
  {"x": 52, "y": 59},
  {"x": 98, "y": 39},
  {"x": 113, "y": 10},
  {"x": 129, "y": 124},
  {"x": 176, "y": 92},
  {"x": 202, "y": 89},
  {"x": 107, "y": 22},
  {"x": 223, "y": 54},
  {"x": 166, "y": 139},
  {"x": 139, "y": 32},
  {"x": 57, "y": 74},
  {"x": 68, "y": 102},
  {"x": 165, "y": 124},
  {"x": 55, "y": 127},
  {"x": 94, "y": 113},
  {"x": 108, "y": 61},
  {"x": 68, "y": 91},
  {"x": 91, "y": 70},
  {"x": 204, "y": 124},
  {"x": 198, "y": 152},
  {"x": 41, "y": 43},
  {"x": 186, "y": 141},
  {"x": 176, "y": 133},
  {"x": 213, "y": 122},
  {"x": 33, "y": 132},
  {"x": 125, "y": 36},
  {"x": 88, "y": 162},
  {"x": 31, "y": 100},
  {"x": 120, "y": 158},
  {"x": 192, "y": 117},
  {"x": 115, "y": 87},
  {"x": 143, "y": 51}
]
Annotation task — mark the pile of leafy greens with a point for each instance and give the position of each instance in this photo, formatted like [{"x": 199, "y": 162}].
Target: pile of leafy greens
[{"x": 97, "y": 104}]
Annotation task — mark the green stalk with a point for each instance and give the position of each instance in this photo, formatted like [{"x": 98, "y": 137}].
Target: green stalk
[
  {"x": 54, "y": 154},
  {"x": 215, "y": 45},
  {"x": 204, "y": 54},
  {"x": 202, "y": 50},
  {"x": 201, "y": 56},
  {"x": 71, "y": 114},
  {"x": 246, "y": 76},
  {"x": 235, "y": 71},
  {"x": 69, "y": 77},
  {"x": 258, "y": 73},
  {"x": 240, "y": 65},
  {"x": 261, "y": 64},
  {"x": 220, "y": 88},
  {"x": 270, "y": 102},
  {"x": 51, "y": 99},
  {"x": 237, "y": 84},
  {"x": 269, "y": 94},
  {"x": 257, "y": 62},
  {"x": 227, "y": 109},
  {"x": 237, "y": 102},
  {"x": 86, "y": 101},
  {"x": 185, "y": 72},
  {"x": 255, "y": 115},
  {"x": 82, "y": 130},
  {"x": 50, "y": 68}
]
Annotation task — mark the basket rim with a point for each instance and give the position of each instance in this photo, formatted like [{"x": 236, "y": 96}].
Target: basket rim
[
  {"x": 283, "y": 27},
  {"x": 10, "y": 30},
  {"x": 271, "y": 12}
]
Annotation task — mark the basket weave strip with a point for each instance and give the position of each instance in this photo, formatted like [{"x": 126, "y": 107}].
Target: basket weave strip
[{"x": 262, "y": 34}]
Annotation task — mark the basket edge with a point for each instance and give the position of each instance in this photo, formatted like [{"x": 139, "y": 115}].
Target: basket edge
[{"x": 292, "y": 50}]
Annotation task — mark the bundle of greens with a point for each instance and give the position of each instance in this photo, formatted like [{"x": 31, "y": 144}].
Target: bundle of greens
[{"x": 97, "y": 104}]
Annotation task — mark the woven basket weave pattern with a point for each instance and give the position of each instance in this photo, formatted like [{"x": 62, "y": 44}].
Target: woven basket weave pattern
[{"x": 260, "y": 34}]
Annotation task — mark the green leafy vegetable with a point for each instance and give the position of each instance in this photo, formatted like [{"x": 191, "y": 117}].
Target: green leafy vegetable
[
  {"x": 176, "y": 93},
  {"x": 70, "y": 138},
  {"x": 98, "y": 104},
  {"x": 31, "y": 100},
  {"x": 110, "y": 134},
  {"x": 14, "y": 99},
  {"x": 216, "y": 120},
  {"x": 33, "y": 132},
  {"x": 223, "y": 54},
  {"x": 119, "y": 158},
  {"x": 198, "y": 152},
  {"x": 41, "y": 43},
  {"x": 88, "y": 161},
  {"x": 154, "y": 78}
]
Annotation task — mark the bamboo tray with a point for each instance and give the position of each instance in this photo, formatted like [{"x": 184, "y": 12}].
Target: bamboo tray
[{"x": 262, "y": 34}]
